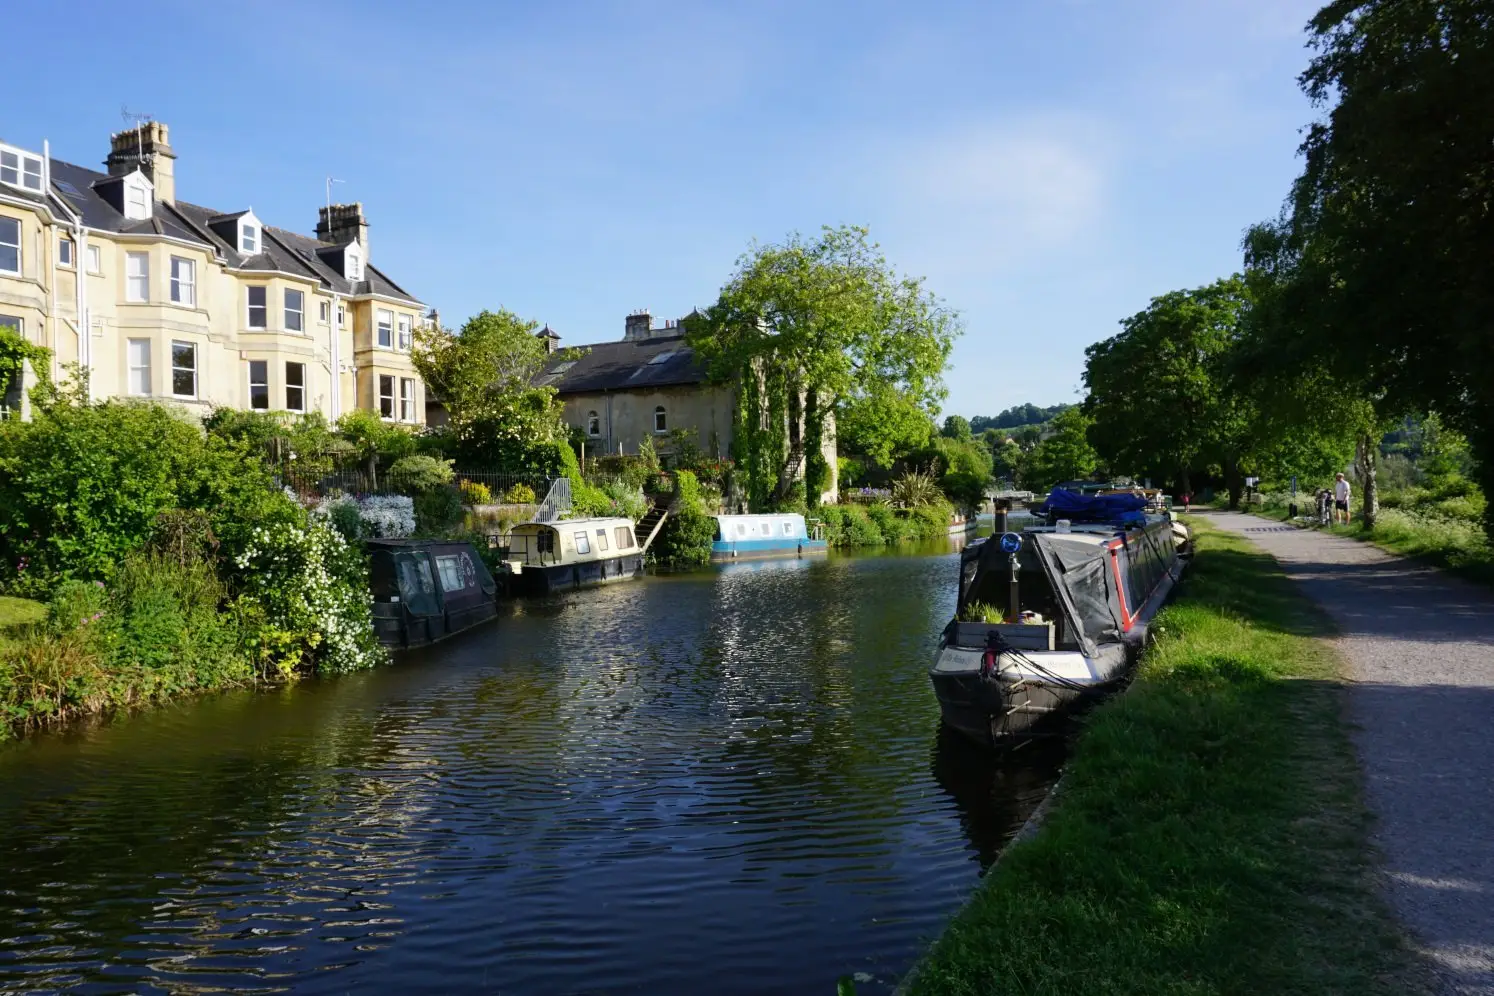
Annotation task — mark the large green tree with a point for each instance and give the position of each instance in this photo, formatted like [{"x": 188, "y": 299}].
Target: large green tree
[
  {"x": 1385, "y": 243},
  {"x": 484, "y": 374},
  {"x": 811, "y": 327},
  {"x": 1158, "y": 391},
  {"x": 1066, "y": 455}
]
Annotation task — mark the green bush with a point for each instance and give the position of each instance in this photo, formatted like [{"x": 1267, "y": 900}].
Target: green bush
[
  {"x": 476, "y": 493},
  {"x": 438, "y": 511},
  {"x": 893, "y": 527},
  {"x": 929, "y": 522},
  {"x": 916, "y": 488},
  {"x": 347, "y": 520},
  {"x": 519, "y": 494},
  {"x": 850, "y": 525},
  {"x": 686, "y": 537},
  {"x": 415, "y": 474}
]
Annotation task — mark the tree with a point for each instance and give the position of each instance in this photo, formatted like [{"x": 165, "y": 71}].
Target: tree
[
  {"x": 956, "y": 427},
  {"x": 485, "y": 376},
  {"x": 1385, "y": 239},
  {"x": 1064, "y": 456},
  {"x": 1158, "y": 391},
  {"x": 808, "y": 329}
]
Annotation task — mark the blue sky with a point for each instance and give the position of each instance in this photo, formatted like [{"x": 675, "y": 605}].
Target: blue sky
[{"x": 1047, "y": 165}]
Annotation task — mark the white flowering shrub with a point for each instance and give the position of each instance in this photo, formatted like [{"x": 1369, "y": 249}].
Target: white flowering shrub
[
  {"x": 311, "y": 587},
  {"x": 379, "y": 516}
]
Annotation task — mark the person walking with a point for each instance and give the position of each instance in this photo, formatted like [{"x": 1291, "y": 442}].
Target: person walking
[{"x": 1341, "y": 499}]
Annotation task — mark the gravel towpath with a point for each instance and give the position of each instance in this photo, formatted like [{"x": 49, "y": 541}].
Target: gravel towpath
[{"x": 1420, "y": 648}]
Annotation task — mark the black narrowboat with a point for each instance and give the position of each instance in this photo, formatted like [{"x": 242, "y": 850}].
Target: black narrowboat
[{"x": 427, "y": 590}]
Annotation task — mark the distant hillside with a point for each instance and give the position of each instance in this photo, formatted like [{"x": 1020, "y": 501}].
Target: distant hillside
[{"x": 1016, "y": 416}]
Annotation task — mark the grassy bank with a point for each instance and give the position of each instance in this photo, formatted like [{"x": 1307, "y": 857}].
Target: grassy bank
[
  {"x": 882, "y": 525},
  {"x": 1209, "y": 836}
]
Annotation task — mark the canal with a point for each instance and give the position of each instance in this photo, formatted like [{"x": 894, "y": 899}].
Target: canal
[{"x": 731, "y": 781}]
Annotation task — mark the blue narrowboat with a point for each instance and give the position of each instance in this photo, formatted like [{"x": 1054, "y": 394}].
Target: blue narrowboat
[{"x": 773, "y": 534}]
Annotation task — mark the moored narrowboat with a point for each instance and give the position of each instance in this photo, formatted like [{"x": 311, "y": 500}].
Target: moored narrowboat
[
  {"x": 775, "y": 534},
  {"x": 541, "y": 557},
  {"x": 1052, "y": 615},
  {"x": 427, "y": 590}
]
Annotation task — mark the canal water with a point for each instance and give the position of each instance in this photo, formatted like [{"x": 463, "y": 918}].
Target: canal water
[{"x": 731, "y": 781}]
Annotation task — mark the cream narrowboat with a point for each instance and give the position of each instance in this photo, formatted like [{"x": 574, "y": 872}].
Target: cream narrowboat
[{"x": 541, "y": 557}]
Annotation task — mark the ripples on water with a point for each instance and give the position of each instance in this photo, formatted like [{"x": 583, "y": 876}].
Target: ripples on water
[{"x": 724, "y": 782}]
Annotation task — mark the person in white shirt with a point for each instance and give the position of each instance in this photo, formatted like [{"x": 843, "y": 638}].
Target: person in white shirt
[{"x": 1341, "y": 499}]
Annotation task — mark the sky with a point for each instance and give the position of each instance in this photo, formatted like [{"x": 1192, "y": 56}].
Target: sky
[{"x": 1048, "y": 166}]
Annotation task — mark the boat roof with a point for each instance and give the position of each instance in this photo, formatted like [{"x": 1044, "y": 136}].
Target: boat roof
[{"x": 563, "y": 523}]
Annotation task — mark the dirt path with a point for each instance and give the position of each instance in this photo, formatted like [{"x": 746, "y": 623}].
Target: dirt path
[{"x": 1420, "y": 646}]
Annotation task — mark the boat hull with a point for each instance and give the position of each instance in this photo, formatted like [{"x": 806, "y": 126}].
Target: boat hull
[
  {"x": 729, "y": 550},
  {"x": 398, "y": 629},
  {"x": 535, "y": 580}
]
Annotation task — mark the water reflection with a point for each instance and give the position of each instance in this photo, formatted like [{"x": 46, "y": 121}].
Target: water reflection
[{"x": 715, "y": 782}]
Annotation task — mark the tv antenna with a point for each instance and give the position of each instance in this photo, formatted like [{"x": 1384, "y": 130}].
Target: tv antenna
[{"x": 137, "y": 120}]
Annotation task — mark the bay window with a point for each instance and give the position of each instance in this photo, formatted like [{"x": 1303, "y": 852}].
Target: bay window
[
  {"x": 259, "y": 309},
  {"x": 139, "y": 362},
  {"x": 259, "y": 385},
  {"x": 183, "y": 282},
  {"x": 386, "y": 396},
  {"x": 137, "y": 276},
  {"x": 295, "y": 302},
  {"x": 386, "y": 329},
  {"x": 184, "y": 369},
  {"x": 295, "y": 387},
  {"x": 407, "y": 399},
  {"x": 10, "y": 245}
]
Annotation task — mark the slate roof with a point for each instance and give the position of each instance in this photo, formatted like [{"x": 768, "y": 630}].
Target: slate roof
[
  {"x": 281, "y": 250},
  {"x": 626, "y": 366}
]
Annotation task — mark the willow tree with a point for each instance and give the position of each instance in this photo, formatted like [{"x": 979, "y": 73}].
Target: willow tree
[{"x": 822, "y": 329}]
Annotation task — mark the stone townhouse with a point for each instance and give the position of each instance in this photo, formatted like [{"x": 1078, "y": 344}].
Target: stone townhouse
[
  {"x": 646, "y": 385},
  {"x": 164, "y": 299}
]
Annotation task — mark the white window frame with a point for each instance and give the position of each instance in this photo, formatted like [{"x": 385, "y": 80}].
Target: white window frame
[
  {"x": 95, "y": 258},
  {"x": 183, "y": 282},
  {"x": 404, "y": 338},
  {"x": 352, "y": 260},
  {"x": 21, "y": 169},
  {"x": 131, "y": 294},
  {"x": 133, "y": 368},
  {"x": 342, "y": 316},
  {"x": 661, "y": 419},
  {"x": 289, "y": 387},
  {"x": 407, "y": 399},
  {"x": 137, "y": 197},
  {"x": 66, "y": 252},
  {"x": 263, "y": 382},
  {"x": 386, "y": 379},
  {"x": 174, "y": 368},
  {"x": 299, "y": 312},
  {"x": 249, "y": 237},
  {"x": 383, "y": 328},
  {"x": 324, "y": 311},
  {"x": 593, "y": 425},
  {"x": 249, "y": 306},
  {"x": 16, "y": 245},
  {"x": 602, "y": 545},
  {"x": 583, "y": 541}
]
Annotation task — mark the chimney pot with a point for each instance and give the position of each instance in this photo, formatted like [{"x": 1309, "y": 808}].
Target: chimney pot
[
  {"x": 340, "y": 223},
  {"x": 148, "y": 149},
  {"x": 637, "y": 326}
]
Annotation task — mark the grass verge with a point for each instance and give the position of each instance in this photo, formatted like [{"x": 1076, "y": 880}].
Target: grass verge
[{"x": 1210, "y": 836}]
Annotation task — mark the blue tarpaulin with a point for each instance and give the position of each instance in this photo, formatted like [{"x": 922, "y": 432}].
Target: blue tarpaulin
[{"x": 1093, "y": 508}]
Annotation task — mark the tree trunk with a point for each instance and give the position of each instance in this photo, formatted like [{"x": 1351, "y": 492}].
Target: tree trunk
[
  {"x": 795, "y": 460},
  {"x": 1232, "y": 482},
  {"x": 1184, "y": 485},
  {"x": 1365, "y": 460}
]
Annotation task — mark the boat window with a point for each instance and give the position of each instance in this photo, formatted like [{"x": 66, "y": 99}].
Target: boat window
[
  {"x": 741, "y": 529},
  {"x": 544, "y": 541},
  {"x": 767, "y": 529},
  {"x": 624, "y": 537},
  {"x": 450, "y": 569},
  {"x": 583, "y": 542},
  {"x": 601, "y": 540},
  {"x": 788, "y": 527}
]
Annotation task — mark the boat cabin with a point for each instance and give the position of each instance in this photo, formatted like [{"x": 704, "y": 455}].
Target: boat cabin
[
  {"x": 569, "y": 553},
  {"x": 426, "y": 590},
  {"x": 775, "y": 534}
]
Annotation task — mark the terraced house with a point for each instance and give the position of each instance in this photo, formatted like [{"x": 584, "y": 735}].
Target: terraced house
[{"x": 160, "y": 298}]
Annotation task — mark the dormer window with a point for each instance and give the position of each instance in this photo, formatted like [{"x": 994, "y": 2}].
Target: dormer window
[
  {"x": 20, "y": 168},
  {"x": 353, "y": 263},
  {"x": 249, "y": 237},
  {"x": 138, "y": 196}
]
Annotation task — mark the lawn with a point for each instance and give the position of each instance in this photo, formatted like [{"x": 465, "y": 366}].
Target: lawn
[{"x": 1208, "y": 835}]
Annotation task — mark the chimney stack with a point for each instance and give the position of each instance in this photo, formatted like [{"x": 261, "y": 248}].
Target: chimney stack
[
  {"x": 636, "y": 326},
  {"x": 342, "y": 223},
  {"x": 147, "y": 149}
]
